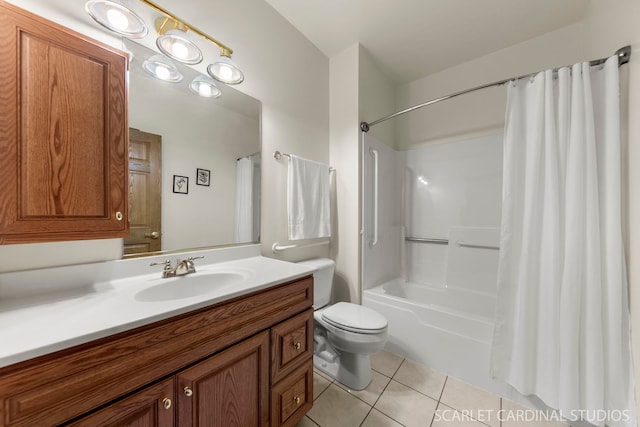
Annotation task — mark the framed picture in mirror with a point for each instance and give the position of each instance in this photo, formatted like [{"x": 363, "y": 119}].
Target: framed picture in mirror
[
  {"x": 180, "y": 184},
  {"x": 203, "y": 177}
]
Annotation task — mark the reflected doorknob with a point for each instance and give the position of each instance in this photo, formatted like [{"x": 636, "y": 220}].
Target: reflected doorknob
[{"x": 153, "y": 235}]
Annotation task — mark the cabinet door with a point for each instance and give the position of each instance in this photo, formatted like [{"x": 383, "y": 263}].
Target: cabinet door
[
  {"x": 151, "y": 407},
  {"x": 229, "y": 389},
  {"x": 63, "y": 133}
]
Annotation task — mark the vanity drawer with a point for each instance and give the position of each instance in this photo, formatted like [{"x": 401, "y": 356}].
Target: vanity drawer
[
  {"x": 291, "y": 344},
  {"x": 292, "y": 397}
]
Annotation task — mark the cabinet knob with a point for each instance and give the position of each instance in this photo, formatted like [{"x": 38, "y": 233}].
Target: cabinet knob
[
  {"x": 153, "y": 234},
  {"x": 166, "y": 402},
  {"x": 188, "y": 392},
  {"x": 119, "y": 216},
  {"x": 297, "y": 345},
  {"x": 297, "y": 400}
]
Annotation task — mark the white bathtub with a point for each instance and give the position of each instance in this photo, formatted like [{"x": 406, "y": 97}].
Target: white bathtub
[{"x": 447, "y": 329}]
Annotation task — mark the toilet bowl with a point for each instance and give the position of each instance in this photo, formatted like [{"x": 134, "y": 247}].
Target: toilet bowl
[{"x": 345, "y": 334}]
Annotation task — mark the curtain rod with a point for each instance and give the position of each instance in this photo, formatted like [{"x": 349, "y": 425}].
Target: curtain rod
[{"x": 623, "y": 54}]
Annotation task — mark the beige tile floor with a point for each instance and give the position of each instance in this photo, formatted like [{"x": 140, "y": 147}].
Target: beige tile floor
[{"x": 406, "y": 393}]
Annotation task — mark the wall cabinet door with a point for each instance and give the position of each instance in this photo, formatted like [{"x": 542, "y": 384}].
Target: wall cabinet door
[
  {"x": 229, "y": 389},
  {"x": 151, "y": 407},
  {"x": 63, "y": 133}
]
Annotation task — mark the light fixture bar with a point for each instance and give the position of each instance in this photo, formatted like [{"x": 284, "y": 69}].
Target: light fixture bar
[{"x": 225, "y": 50}]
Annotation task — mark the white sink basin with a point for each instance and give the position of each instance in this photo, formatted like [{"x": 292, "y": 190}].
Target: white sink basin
[{"x": 192, "y": 285}]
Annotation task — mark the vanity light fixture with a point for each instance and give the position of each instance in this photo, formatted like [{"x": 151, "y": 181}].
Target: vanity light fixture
[
  {"x": 175, "y": 38},
  {"x": 225, "y": 70},
  {"x": 175, "y": 43},
  {"x": 162, "y": 68},
  {"x": 205, "y": 87},
  {"x": 117, "y": 18}
]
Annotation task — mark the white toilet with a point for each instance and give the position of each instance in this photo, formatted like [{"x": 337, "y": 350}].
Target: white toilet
[{"x": 345, "y": 334}]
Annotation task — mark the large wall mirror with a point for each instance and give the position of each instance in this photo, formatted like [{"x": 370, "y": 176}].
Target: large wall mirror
[{"x": 194, "y": 177}]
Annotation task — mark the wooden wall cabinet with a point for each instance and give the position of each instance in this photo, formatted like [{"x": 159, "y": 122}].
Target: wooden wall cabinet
[
  {"x": 63, "y": 133},
  {"x": 243, "y": 362}
]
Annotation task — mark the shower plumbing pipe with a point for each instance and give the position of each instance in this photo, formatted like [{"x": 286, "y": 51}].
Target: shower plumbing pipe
[{"x": 623, "y": 54}]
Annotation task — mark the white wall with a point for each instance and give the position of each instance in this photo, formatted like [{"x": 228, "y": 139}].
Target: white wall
[
  {"x": 344, "y": 155},
  {"x": 481, "y": 112},
  {"x": 376, "y": 98},
  {"x": 282, "y": 69},
  {"x": 359, "y": 91}
]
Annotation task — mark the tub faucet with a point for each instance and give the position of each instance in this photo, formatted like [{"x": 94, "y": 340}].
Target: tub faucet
[{"x": 183, "y": 267}]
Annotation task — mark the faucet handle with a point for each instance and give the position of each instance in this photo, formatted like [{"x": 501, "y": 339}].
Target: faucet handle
[
  {"x": 166, "y": 263},
  {"x": 191, "y": 258}
]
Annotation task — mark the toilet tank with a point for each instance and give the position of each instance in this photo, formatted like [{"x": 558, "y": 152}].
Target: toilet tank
[{"x": 322, "y": 280}]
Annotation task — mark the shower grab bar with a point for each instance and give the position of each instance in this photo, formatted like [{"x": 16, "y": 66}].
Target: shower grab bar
[
  {"x": 427, "y": 240},
  {"x": 275, "y": 248},
  {"x": 462, "y": 244},
  {"x": 374, "y": 154}
]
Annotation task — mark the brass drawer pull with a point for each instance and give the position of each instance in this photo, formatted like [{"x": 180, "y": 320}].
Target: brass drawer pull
[
  {"x": 166, "y": 402},
  {"x": 297, "y": 400},
  {"x": 297, "y": 345},
  {"x": 188, "y": 392}
]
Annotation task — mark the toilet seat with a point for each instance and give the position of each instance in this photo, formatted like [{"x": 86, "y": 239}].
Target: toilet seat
[{"x": 354, "y": 318}]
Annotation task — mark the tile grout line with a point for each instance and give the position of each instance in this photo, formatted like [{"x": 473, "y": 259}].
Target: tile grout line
[
  {"x": 380, "y": 395},
  {"x": 371, "y": 407},
  {"x": 439, "y": 400},
  {"x": 459, "y": 410}
]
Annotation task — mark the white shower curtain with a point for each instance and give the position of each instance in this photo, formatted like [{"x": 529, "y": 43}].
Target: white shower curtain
[
  {"x": 244, "y": 200},
  {"x": 562, "y": 319}
]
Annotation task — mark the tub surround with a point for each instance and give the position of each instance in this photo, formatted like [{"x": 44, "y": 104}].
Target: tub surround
[{"x": 51, "y": 309}]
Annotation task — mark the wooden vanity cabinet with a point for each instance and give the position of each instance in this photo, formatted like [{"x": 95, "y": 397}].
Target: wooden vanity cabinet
[
  {"x": 228, "y": 389},
  {"x": 63, "y": 133},
  {"x": 150, "y": 407},
  {"x": 210, "y": 367}
]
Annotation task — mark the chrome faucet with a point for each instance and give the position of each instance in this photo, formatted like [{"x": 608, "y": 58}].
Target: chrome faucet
[{"x": 183, "y": 267}]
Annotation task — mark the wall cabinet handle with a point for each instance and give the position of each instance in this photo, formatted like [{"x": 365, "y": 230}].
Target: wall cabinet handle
[
  {"x": 166, "y": 402},
  {"x": 188, "y": 392}
]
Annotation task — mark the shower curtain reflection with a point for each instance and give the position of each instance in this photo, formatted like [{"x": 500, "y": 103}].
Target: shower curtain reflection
[{"x": 247, "y": 224}]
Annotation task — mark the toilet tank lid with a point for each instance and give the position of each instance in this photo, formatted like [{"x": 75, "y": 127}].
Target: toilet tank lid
[
  {"x": 355, "y": 316},
  {"x": 318, "y": 263}
]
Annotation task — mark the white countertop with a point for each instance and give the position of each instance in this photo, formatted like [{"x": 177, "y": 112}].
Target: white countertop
[{"x": 39, "y": 324}]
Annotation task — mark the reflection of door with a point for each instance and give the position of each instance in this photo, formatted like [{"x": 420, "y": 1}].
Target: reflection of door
[{"x": 145, "y": 176}]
